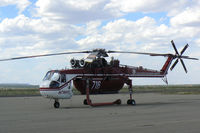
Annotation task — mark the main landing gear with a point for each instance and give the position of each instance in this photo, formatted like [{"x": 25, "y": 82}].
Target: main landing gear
[
  {"x": 85, "y": 102},
  {"x": 56, "y": 104},
  {"x": 88, "y": 101},
  {"x": 130, "y": 101}
]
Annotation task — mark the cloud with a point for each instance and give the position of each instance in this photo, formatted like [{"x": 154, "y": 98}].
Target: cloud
[
  {"x": 188, "y": 18},
  {"x": 21, "y": 4},
  {"x": 148, "y": 6},
  {"x": 47, "y": 30},
  {"x": 187, "y": 23},
  {"x": 81, "y": 11},
  {"x": 36, "y": 36},
  {"x": 142, "y": 34},
  {"x": 75, "y": 25},
  {"x": 74, "y": 11},
  {"x": 25, "y": 25}
]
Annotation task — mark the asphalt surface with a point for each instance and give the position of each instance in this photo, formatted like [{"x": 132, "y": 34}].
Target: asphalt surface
[{"x": 154, "y": 113}]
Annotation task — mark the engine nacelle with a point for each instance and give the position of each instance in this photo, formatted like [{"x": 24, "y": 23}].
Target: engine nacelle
[
  {"x": 74, "y": 63},
  {"x": 82, "y": 62}
]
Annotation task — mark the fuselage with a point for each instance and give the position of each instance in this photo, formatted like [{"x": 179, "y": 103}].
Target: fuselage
[{"x": 57, "y": 83}]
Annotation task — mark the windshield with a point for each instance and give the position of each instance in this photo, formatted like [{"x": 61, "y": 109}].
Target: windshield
[{"x": 55, "y": 76}]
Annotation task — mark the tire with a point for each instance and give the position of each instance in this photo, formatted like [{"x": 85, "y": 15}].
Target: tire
[
  {"x": 85, "y": 102},
  {"x": 131, "y": 102},
  {"x": 56, "y": 105}
]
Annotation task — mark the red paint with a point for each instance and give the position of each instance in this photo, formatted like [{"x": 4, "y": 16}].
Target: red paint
[
  {"x": 167, "y": 64},
  {"x": 106, "y": 86}
]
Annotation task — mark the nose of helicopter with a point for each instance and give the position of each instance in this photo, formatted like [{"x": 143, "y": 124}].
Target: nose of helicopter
[{"x": 44, "y": 85}]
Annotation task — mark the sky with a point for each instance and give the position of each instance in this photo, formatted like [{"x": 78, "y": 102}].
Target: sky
[{"x": 31, "y": 27}]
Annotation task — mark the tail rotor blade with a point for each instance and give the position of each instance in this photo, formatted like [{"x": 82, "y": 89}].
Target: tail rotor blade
[
  {"x": 186, "y": 46},
  {"x": 186, "y": 57},
  {"x": 174, "y": 47},
  {"x": 183, "y": 65},
  {"x": 172, "y": 67}
]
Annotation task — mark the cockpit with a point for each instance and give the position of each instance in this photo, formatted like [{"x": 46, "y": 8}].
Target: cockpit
[
  {"x": 55, "y": 78},
  {"x": 56, "y": 84}
]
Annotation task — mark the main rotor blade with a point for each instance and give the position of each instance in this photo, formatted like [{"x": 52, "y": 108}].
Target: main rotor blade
[
  {"x": 172, "y": 67},
  {"x": 143, "y": 53},
  {"x": 174, "y": 47},
  {"x": 34, "y": 56},
  {"x": 186, "y": 46},
  {"x": 183, "y": 65}
]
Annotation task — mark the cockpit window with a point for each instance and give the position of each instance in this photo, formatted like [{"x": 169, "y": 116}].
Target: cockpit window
[
  {"x": 63, "y": 78},
  {"x": 47, "y": 76},
  {"x": 55, "y": 76}
]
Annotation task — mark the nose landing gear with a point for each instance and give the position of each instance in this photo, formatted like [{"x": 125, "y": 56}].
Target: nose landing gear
[{"x": 56, "y": 104}]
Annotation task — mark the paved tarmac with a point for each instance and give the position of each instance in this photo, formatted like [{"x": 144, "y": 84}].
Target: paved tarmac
[{"x": 154, "y": 113}]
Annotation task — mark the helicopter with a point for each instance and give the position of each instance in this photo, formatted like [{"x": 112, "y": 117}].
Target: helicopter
[{"x": 95, "y": 75}]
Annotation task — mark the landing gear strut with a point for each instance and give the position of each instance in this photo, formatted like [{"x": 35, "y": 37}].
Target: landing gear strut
[
  {"x": 56, "y": 104},
  {"x": 130, "y": 101}
]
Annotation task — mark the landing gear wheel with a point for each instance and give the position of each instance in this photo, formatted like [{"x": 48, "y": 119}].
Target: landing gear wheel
[
  {"x": 131, "y": 102},
  {"x": 118, "y": 101},
  {"x": 85, "y": 102},
  {"x": 56, "y": 104}
]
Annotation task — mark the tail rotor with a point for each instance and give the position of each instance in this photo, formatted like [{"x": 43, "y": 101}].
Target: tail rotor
[{"x": 180, "y": 56}]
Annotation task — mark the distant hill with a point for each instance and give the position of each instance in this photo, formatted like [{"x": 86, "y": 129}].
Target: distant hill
[{"x": 16, "y": 85}]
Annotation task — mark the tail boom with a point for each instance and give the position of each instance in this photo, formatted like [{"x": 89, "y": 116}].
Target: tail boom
[{"x": 167, "y": 64}]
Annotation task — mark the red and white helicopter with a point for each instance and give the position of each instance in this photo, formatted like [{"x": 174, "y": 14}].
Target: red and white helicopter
[{"x": 95, "y": 75}]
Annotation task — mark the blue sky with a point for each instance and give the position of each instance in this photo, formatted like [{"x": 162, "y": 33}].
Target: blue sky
[
  {"x": 9, "y": 11},
  {"x": 29, "y": 27}
]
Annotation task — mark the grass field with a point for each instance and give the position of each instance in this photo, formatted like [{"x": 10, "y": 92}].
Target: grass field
[
  {"x": 166, "y": 89},
  {"x": 30, "y": 90},
  {"x": 19, "y": 90}
]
